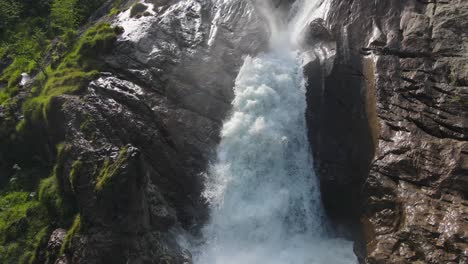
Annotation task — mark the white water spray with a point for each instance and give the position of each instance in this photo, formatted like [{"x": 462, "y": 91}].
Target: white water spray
[{"x": 264, "y": 197}]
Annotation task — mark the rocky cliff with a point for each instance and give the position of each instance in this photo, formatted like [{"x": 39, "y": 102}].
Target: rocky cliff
[
  {"x": 161, "y": 103},
  {"x": 126, "y": 152},
  {"x": 133, "y": 144},
  {"x": 390, "y": 133}
]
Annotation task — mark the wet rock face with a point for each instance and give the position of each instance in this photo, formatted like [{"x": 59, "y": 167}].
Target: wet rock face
[
  {"x": 55, "y": 241},
  {"x": 405, "y": 63},
  {"x": 317, "y": 43},
  {"x": 146, "y": 129}
]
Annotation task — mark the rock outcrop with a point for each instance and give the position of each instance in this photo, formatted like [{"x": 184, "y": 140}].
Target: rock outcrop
[
  {"x": 388, "y": 128},
  {"x": 151, "y": 123},
  {"x": 394, "y": 111},
  {"x": 133, "y": 145}
]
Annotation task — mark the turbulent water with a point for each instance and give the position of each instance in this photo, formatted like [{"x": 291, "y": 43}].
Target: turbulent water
[{"x": 264, "y": 197}]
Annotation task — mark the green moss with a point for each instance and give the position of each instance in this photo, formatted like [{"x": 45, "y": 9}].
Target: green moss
[
  {"x": 26, "y": 54},
  {"x": 40, "y": 241},
  {"x": 88, "y": 124},
  {"x": 26, "y": 219},
  {"x": 137, "y": 9},
  {"x": 74, "y": 230},
  {"x": 59, "y": 205},
  {"x": 72, "y": 74},
  {"x": 109, "y": 170},
  {"x": 96, "y": 40},
  {"x": 24, "y": 226},
  {"x": 49, "y": 195},
  {"x": 115, "y": 8},
  {"x": 62, "y": 66},
  {"x": 114, "y": 11},
  {"x": 75, "y": 170},
  {"x": 58, "y": 172}
]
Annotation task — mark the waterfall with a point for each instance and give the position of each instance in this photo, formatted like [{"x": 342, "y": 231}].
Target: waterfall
[{"x": 264, "y": 197}]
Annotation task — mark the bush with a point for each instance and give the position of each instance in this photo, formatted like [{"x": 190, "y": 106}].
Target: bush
[
  {"x": 63, "y": 15},
  {"x": 10, "y": 14}
]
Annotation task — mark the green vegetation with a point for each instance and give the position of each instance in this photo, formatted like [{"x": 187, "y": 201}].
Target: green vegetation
[
  {"x": 72, "y": 74},
  {"x": 40, "y": 38},
  {"x": 74, "y": 230},
  {"x": 24, "y": 227},
  {"x": 59, "y": 204},
  {"x": 138, "y": 9},
  {"x": 75, "y": 170},
  {"x": 87, "y": 124},
  {"x": 109, "y": 170},
  {"x": 27, "y": 29},
  {"x": 27, "y": 219},
  {"x": 49, "y": 195},
  {"x": 26, "y": 55},
  {"x": 63, "y": 15},
  {"x": 115, "y": 8},
  {"x": 26, "y": 179}
]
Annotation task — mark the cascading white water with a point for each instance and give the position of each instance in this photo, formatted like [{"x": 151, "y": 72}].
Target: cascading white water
[{"x": 264, "y": 197}]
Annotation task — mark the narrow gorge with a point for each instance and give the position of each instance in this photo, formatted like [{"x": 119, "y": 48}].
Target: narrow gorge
[
  {"x": 263, "y": 194},
  {"x": 233, "y": 131}
]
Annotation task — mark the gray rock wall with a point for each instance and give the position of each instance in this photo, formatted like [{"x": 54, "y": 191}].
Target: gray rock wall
[
  {"x": 395, "y": 108},
  {"x": 161, "y": 103},
  {"x": 388, "y": 128}
]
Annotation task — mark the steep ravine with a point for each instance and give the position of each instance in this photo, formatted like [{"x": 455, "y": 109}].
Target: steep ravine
[{"x": 387, "y": 125}]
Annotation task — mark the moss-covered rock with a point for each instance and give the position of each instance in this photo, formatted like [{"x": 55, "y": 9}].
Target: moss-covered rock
[
  {"x": 111, "y": 169},
  {"x": 71, "y": 234},
  {"x": 59, "y": 208},
  {"x": 75, "y": 171},
  {"x": 24, "y": 227},
  {"x": 71, "y": 76}
]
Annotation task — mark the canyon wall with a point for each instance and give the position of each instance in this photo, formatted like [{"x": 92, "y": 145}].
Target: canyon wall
[
  {"x": 387, "y": 126},
  {"x": 390, "y": 133},
  {"x": 134, "y": 144}
]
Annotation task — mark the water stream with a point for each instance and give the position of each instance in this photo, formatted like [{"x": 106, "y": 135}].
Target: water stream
[{"x": 264, "y": 197}]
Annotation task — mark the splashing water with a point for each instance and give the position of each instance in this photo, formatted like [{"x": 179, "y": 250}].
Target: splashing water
[{"x": 264, "y": 197}]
